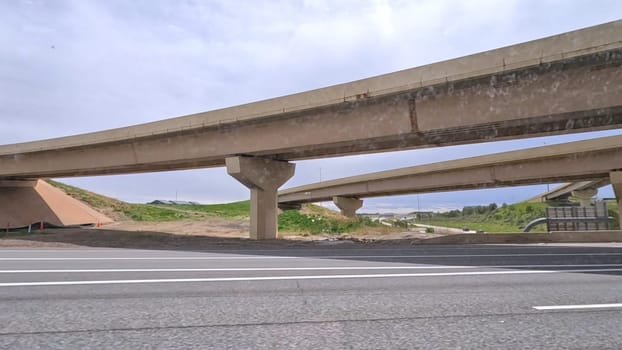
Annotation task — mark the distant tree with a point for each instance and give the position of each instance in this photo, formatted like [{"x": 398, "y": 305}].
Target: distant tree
[
  {"x": 453, "y": 213},
  {"x": 467, "y": 211}
]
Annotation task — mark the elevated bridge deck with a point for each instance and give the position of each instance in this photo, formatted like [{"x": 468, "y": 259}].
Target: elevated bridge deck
[{"x": 564, "y": 83}]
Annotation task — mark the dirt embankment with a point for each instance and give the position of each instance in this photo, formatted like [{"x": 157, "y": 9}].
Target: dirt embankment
[
  {"x": 214, "y": 227},
  {"x": 148, "y": 239}
]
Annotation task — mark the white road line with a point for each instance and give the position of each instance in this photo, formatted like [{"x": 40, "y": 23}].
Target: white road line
[
  {"x": 65, "y": 250},
  {"x": 225, "y": 269},
  {"x": 322, "y": 268},
  {"x": 103, "y": 249},
  {"x": 153, "y": 258},
  {"x": 578, "y": 307},
  {"x": 255, "y": 257},
  {"x": 282, "y": 278}
]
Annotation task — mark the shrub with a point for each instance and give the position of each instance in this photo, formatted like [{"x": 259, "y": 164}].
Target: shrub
[{"x": 293, "y": 220}]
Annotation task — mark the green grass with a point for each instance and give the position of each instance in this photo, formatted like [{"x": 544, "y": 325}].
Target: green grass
[
  {"x": 137, "y": 212},
  {"x": 148, "y": 212},
  {"x": 144, "y": 212},
  {"x": 233, "y": 210},
  {"x": 294, "y": 221},
  {"x": 612, "y": 208},
  {"x": 517, "y": 215},
  {"x": 93, "y": 199},
  {"x": 508, "y": 218}
]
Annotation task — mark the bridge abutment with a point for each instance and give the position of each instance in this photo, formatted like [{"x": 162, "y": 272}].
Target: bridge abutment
[
  {"x": 348, "y": 205},
  {"x": 35, "y": 202},
  {"x": 263, "y": 177}
]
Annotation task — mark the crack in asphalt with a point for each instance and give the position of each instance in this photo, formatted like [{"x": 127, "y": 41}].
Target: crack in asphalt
[{"x": 307, "y": 322}]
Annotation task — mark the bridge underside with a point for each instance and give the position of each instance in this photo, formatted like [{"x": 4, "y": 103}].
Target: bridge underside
[{"x": 574, "y": 95}]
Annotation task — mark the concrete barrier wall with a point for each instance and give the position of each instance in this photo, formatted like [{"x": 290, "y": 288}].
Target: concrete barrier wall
[{"x": 553, "y": 237}]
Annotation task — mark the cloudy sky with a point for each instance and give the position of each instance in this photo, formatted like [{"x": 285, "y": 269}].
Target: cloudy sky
[{"x": 69, "y": 67}]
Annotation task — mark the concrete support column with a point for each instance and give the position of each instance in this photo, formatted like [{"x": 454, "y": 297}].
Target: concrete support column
[
  {"x": 347, "y": 205},
  {"x": 585, "y": 196},
  {"x": 616, "y": 181},
  {"x": 263, "y": 177}
]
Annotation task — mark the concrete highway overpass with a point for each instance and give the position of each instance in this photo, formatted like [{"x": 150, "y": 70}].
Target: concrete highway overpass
[
  {"x": 581, "y": 189},
  {"x": 565, "y": 83},
  {"x": 587, "y": 160}
]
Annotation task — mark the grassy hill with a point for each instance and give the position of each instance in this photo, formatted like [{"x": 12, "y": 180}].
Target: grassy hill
[
  {"x": 120, "y": 210},
  {"x": 311, "y": 219},
  {"x": 507, "y": 218},
  {"x": 151, "y": 212},
  {"x": 232, "y": 210}
]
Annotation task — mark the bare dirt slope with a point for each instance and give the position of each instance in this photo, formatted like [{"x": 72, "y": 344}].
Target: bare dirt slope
[{"x": 113, "y": 237}]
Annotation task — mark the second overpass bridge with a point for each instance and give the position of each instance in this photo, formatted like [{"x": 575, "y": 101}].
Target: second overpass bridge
[{"x": 574, "y": 161}]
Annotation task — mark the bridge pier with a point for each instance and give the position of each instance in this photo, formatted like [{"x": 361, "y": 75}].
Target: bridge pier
[
  {"x": 616, "y": 181},
  {"x": 585, "y": 196},
  {"x": 348, "y": 205},
  {"x": 263, "y": 177}
]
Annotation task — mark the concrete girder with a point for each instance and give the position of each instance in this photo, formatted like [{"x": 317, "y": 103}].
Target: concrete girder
[
  {"x": 348, "y": 205},
  {"x": 263, "y": 177}
]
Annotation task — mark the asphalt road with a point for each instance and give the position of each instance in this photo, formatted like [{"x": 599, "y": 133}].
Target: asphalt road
[{"x": 330, "y": 297}]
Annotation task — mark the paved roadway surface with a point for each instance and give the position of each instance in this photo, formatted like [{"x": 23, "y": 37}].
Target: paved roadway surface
[{"x": 329, "y": 297}]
